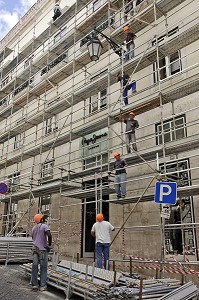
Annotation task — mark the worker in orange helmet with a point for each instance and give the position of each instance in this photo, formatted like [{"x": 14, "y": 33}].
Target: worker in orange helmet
[
  {"x": 41, "y": 247},
  {"x": 101, "y": 231},
  {"x": 120, "y": 175},
  {"x": 130, "y": 44},
  {"x": 131, "y": 126}
]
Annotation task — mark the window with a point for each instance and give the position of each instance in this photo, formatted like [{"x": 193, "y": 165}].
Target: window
[
  {"x": 175, "y": 63},
  {"x": 98, "y": 101},
  {"x": 60, "y": 34},
  {"x": 179, "y": 172},
  {"x": 138, "y": 2},
  {"x": 95, "y": 161},
  {"x": 3, "y": 102},
  {"x": 53, "y": 101},
  {"x": 47, "y": 170},
  {"x": 162, "y": 37},
  {"x": 14, "y": 182},
  {"x": 18, "y": 143},
  {"x": 51, "y": 125},
  {"x": 97, "y": 4},
  {"x": 45, "y": 203},
  {"x": 28, "y": 62},
  {"x": 173, "y": 129},
  {"x": 5, "y": 81},
  {"x": 169, "y": 66},
  {"x": 102, "y": 73}
]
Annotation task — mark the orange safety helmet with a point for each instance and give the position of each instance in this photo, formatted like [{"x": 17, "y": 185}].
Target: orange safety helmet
[
  {"x": 38, "y": 217},
  {"x": 126, "y": 28},
  {"x": 132, "y": 113},
  {"x": 116, "y": 154},
  {"x": 99, "y": 217}
]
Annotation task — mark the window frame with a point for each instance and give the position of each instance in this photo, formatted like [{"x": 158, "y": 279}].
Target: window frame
[
  {"x": 97, "y": 161},
  {"x": 165, "y": 67},
  {"x": 101, "y": 101},
  {"x": 51, "y": 125},
  {"x": 14, "y": 183},
  {"x": 172, "y": 129},
  {"x": 96, "y": 7},
  {"x": 47, "y": 170},
  {"x": 18, "y": 141}
]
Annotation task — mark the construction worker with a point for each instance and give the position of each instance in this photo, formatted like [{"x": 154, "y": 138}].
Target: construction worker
[
  {"x": 131, "y": 125},
  {"x": 41, "y": 247},
  {"x": 177, "y": 218},
  {"x": 120, "y": 175},
  {"x": 128, "y": 8},
  {"x": 57, "y": 11},
  {"x": 101, "y": 231},
  {"x": 130, "y": 44},
  {"x": 126, "y": 86}
]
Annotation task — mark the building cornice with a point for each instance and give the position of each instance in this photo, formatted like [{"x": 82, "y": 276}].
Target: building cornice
[{"x": 13, "y": 33}]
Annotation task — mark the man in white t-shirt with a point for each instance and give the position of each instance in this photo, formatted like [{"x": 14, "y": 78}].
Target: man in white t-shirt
[{"x": 101, "y": 230}]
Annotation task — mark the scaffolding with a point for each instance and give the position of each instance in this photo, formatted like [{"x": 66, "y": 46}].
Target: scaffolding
[{"x": 56, "y": 104}]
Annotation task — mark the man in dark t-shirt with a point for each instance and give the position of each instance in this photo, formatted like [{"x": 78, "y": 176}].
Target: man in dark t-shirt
[
  {"x": 120, "y": 175},
  {"x": 130, "y": 44},
  {"x": 131, "y": 125}
]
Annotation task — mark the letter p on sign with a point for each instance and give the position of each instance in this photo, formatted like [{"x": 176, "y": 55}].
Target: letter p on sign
[{"x": 166, "y": 192}]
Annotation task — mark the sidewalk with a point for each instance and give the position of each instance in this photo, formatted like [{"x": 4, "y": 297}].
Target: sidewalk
[{"x": 14, "y": 285}]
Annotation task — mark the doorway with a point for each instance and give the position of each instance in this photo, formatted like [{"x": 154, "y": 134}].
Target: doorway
[{"x": 89, "y": 218}]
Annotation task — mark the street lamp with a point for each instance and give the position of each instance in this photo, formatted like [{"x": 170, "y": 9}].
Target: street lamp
[{"x": 95, "y": 46}]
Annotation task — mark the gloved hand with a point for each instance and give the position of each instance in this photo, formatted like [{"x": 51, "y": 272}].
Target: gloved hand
[{"x": 48, "y": 248}]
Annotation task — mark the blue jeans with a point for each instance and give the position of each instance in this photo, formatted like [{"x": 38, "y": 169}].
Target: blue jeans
[
  {"x": 130, "y": 138},
  {"x": 129, "y": 51},
  {"x": 129, "y": 86},
  {"x": 120, "y": 184},
  {"x": 102, "y": 248},
  {"x": 39, "y": 257}
]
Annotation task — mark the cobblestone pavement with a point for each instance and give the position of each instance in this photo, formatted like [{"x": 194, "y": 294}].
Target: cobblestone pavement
[{"x": 14, "y": 285}]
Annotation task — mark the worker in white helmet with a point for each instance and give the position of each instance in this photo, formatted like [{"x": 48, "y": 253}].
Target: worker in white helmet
[{"x": 57, "y": 11}]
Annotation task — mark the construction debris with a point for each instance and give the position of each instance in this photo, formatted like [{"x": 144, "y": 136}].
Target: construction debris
[
  {"x": 97, "y": 284},
  {"x": 15, "y": 249}
]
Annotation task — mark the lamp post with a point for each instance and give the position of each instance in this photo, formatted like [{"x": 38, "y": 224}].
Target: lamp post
[{"x": 95, "y": 46}]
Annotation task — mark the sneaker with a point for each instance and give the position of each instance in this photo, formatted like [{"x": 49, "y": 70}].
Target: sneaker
[
  {"x": 123, "y": 196},
  {"x": 35, "y": 288},
  {"x": 118, "y": 196},
  {"x": 43, "y": 288}
]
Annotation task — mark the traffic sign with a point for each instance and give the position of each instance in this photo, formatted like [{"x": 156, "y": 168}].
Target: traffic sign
[
  {"x": 166, "y": 192},
  {"x": 3, "y": 188},
  {"x": 166, "y": 211}
]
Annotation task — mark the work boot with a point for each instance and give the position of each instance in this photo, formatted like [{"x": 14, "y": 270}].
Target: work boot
[{"x": 43, "y": 288}]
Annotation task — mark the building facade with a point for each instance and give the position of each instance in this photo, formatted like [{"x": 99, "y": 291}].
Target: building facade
[{"x": 60, "y": 121}]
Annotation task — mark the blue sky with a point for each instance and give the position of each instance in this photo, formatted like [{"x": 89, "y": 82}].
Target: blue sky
[{"x": 10, "y": 13}]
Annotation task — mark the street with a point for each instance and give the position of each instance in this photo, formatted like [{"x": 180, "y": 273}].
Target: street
[{"x": 15, "y": 285}]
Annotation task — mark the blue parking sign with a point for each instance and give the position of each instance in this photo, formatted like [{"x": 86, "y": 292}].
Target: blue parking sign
[{"x": 166, "y": 192}]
